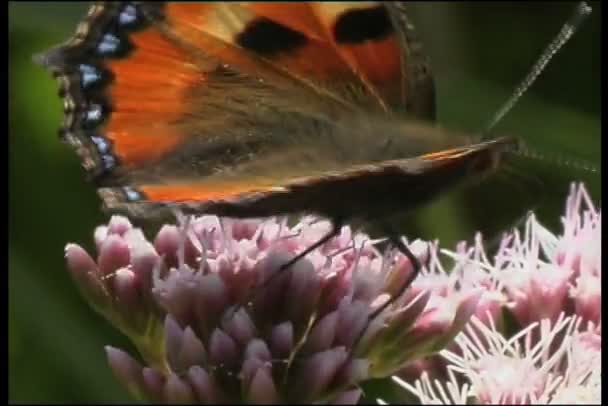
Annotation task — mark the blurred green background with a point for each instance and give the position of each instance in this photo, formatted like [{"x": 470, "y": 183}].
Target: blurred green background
[{"x": 479, "y": 51}]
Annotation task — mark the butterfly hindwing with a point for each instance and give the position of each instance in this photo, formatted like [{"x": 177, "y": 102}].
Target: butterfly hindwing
[{"x": 402, "y": 184}]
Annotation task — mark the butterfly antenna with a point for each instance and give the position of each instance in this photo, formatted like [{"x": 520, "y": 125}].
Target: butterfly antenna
[
  {"x": 558, "y": 160},
  {"x": 581, "y": 11}
]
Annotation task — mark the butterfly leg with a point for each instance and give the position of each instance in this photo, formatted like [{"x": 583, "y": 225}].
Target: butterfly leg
[
  {"x": 416, "y": 266},
  {"x": 336, "y": 227},
  {"x": 395, "y": 241}
]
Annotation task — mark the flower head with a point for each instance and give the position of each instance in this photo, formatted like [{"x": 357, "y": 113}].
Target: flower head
[
  {"x": 542, "y": 280},
  {"x": 490, "y": 369},
  {"x": 216, "y": 319},
  {"x": 538, "y": 274}
]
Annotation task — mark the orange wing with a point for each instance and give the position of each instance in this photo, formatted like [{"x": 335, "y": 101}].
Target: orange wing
[
  {"x": 157, "y": 95},
  {"x": 303, "y": 40}
]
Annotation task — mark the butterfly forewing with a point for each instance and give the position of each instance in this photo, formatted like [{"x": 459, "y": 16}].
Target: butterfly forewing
[{"x": 216, "y": 101}]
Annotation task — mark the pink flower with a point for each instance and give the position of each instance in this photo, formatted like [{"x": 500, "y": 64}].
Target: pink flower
[
  {"x": 548, "y": 274},
  {"x": 538, "y": 274},
  {"x": 208, "y": 329},
  {"x": 543, "y": 363},
  {"x": 540, "y": 278}
]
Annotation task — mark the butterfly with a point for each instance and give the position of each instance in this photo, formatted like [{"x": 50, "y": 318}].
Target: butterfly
[{"x": 261, "y": 109}]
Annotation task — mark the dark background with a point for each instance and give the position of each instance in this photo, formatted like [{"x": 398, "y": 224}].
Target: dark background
[{"x": 479, "y": 51}]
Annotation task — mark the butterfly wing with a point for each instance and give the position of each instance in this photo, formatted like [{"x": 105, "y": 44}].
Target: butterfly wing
[
  {"x": 353, "y": 52},
  {"x": 200, "y": 97}
]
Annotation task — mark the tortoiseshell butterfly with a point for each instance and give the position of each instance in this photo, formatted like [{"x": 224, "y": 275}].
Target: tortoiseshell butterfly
[{"x": 261, "y": 109}]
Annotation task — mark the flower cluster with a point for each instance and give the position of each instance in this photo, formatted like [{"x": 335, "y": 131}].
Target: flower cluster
[
  {"x": 216, "y": 319},
  {"x": 542, "y": 364},
  {"x": 550, "y": 287}
]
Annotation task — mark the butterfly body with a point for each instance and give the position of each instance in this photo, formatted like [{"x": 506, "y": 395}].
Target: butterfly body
[{"x": 259, "y": 109}]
